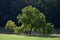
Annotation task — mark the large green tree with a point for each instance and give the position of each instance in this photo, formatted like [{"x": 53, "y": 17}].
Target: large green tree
[{"x": 32, "y": 19}]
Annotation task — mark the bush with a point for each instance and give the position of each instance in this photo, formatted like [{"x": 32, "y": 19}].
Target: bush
[
  {"x": 10, "y": 25},
  {"x": 50, "y": 28},
  {"x": 47, "y": 29}
]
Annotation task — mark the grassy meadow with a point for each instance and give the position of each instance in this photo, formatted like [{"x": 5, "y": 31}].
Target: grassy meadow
[{"x": 20, "y": 37}]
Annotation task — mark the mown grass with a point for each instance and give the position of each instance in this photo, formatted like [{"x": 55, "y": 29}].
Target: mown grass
[{"x": 19, "y": 37}]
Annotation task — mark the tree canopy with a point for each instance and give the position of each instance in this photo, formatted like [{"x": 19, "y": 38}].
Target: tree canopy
[{"x": 32, "y": 19}]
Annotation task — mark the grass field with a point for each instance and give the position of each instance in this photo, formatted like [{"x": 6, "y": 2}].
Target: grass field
[{"x": 19, "y": 37}]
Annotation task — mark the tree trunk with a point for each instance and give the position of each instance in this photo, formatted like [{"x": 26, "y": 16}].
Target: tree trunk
[{"x": 30, "y": 31}]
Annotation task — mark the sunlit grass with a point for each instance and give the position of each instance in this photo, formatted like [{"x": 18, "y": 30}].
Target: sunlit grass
[{"x": 19, "y": 37}]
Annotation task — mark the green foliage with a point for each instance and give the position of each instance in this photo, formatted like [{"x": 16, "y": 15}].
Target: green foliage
[
  {"x": 17, "y": 30},
  {"x": 32, "y": 20},
  {"x": 46, "y": 28},
  {"x": 10, "y": 25},
  {"x": 49, "y": 27},
  {"x": 28, "y": 17}
]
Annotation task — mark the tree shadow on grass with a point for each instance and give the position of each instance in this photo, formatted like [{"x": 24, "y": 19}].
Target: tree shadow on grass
[{"x": 43, "y": 36}]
